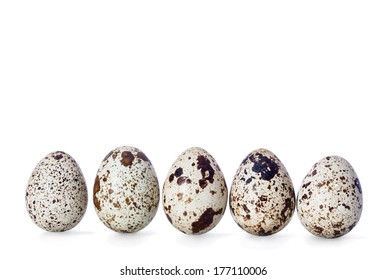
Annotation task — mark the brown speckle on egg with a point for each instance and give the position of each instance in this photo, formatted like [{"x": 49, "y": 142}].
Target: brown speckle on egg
[
  {"x": 142, "y": 156},
  {"x": 179, "y": 172},
  {"x": 205, "y": 220},
  {"x": 206, "y": 170},
  {"x": 127, "y": 158},
  {"x": 96, "y": 190},
  {"x": 58, "y": 155}
]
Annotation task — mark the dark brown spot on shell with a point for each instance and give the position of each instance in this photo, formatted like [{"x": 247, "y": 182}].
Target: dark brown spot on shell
[
  {"x": 205, "y": 220},
  {"x": 58, "y": 155},
  {"x": 287, "y": 210},
  {"x": 202, "y": 183},
  {"x": 358, "y": 186},
  {"x": 338, "y": 224},
  {"x": 179, "y": 172},
  {"x": 321, "y": 184},
  {"x": 169, "y": 218},
  {"x": 245, "y": 161},
  {"x": 247, "y": 210},
  {"x": 351, "y": 226},
  {"x": 127, "y": 200},
  {"x": 171, "y": 177},
  {"x": 318, "y": 229},
  {"x": 142, "y": 156},
  {"x": 263, "y": 198},
  {"x": 314, "y": 172},
  {"x": 182, "y": 180},
  {"x": 346, "y": 206},
  {"x": 263, "y": 232},
  {"x": 96, "y": 189},
  {"x": 206, "y": 170},
  {"x": 108, "y": 155},
  {"x": 127, "y": 158},
  {"x": 304, "y": 186},
  {"x": 264, "y": 166},
  {"x": 168, "y": 209}
]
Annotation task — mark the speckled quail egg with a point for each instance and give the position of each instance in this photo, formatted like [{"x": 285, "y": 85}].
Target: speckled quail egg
[
  {"x": 126, "y": 190},
  {"x": 262, "y": 198},
  {"x": 56, "y": 195},
  {"x": 195, "y": 192},
  {"x": 330, "y": 200}
]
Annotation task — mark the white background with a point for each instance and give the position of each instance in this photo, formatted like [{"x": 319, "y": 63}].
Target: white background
[{"x": 304, "y": 79}]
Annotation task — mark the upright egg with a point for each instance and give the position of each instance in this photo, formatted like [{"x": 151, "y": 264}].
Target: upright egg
[
  {"x": 195, "y": 192},
  {"x": 330, "y": 200},
  {"x": 126, "y": 190},
  {"x": 56, "y": 194},
  {"x": 262, "y": 198}
]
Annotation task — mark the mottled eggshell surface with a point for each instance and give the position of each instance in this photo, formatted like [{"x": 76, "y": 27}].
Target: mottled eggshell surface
[
  {"x": 262, "y": 198},
  {"x": 56, "y": 195},
  {"x": 330, "y": 200},
  {"x": 126, "y": 190},
  {"x": 195, "y": 192}
]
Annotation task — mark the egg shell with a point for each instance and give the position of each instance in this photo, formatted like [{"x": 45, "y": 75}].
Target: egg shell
[
  {"x": 56, "y": 194},
  {"x": 330, "y": 200},
  {"x": 195, "y": 192},
  {"x": 262, "y": 198},
  {"x": 126, "y": 190}
]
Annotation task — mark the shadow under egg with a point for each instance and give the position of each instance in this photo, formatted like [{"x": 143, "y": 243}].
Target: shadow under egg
[{"x": 133, "y": 239}]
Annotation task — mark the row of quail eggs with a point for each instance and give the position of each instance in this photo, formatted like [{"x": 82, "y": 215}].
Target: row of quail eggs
[{"x": 194, "y": 196}]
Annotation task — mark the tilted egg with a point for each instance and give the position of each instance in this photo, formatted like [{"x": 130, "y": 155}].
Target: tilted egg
[
  {"x": 126, "y": 190},
  {"x": 56, "y": 195},
  {"x": 262, "y": 198},
  {"x": 330, "y": 200},
  {"x": 195, "y": 192}
]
